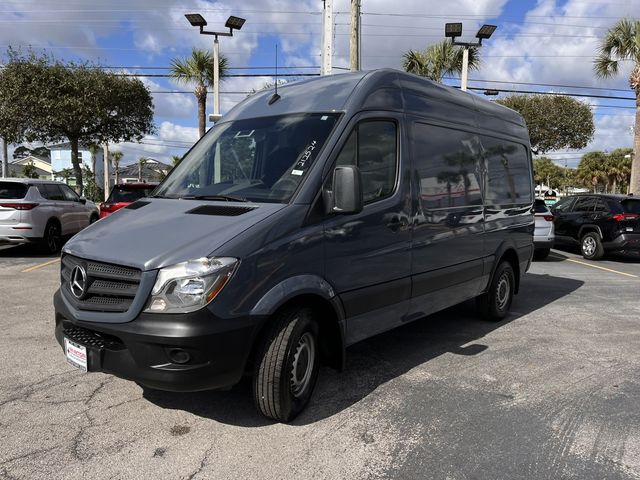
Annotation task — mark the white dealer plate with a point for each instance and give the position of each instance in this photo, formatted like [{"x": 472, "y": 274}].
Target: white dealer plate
[{"x": 76, "y": 354}]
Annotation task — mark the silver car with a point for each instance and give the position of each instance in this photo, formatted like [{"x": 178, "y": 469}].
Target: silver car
[
  {"x": 41, "y": 211},
  {"x": 544, "y": 235}
]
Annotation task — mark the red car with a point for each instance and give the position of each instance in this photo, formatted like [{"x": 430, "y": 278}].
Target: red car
[{"x": 123, "y": 194}]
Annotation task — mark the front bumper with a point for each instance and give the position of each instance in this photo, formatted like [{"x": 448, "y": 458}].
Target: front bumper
[{"x": 144, "y": 350}]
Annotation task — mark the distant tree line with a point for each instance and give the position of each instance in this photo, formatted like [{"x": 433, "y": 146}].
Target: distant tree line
[{"x": 598, "y": 171}]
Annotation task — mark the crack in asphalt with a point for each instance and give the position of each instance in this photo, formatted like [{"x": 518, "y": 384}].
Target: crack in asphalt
[{"x": 203, "y": 463}]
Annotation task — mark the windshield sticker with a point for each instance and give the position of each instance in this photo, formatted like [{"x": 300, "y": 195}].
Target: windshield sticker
[
  {"x": 306, "y": 155},
  {"x": 297, "y": 172},
  {"x": 324, "y": 117}
]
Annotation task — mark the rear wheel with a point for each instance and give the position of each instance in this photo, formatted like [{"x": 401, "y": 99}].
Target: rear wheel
[
  {"x": 541, "y": 253},
  {"x": 52, "y": 240},
  {"x": 287, "y": 365},
  {"x": 591, "y": 246},
  {"x": 495, "y": 303}
]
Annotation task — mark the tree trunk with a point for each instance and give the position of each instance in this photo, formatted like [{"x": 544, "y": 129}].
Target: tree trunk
[
  {"x": 634, "y": 183},
  {"x": 5, "y": 158},
  {"x": 116, "y": 167},
  {"x": 201, "y": 97},
  {"x": 77, "y": 171}
]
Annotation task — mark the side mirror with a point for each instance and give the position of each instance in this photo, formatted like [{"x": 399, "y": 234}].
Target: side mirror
[
  {"x": 347, "y": 190},
  {"x": 83, "y": 200}
]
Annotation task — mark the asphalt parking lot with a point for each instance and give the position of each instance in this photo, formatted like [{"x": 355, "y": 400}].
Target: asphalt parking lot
[{"x": 552, "y": 392}]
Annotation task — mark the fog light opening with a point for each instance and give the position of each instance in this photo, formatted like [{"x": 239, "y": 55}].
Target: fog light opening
[{"x": 178, "y": 355}]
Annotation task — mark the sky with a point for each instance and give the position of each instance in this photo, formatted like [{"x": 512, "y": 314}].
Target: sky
[{"x": 544, "y": 45}]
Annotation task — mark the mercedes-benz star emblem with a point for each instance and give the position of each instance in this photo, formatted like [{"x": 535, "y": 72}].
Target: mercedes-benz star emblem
[{"x": 78, "y": 282}]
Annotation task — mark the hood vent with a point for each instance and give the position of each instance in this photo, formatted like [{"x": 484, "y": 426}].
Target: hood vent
[
  {"x": 136, "y": 205},
  {"x": 220, "y": 210}
]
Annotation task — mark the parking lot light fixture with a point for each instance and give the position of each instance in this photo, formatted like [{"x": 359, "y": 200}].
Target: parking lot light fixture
[
  {"x": 233, "y": 23},
  {"x": 454, "y": 30}
]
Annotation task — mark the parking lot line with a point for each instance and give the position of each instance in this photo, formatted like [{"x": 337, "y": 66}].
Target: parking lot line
[
  {"x": 597, "y": 266},
  {"x": 41, "y": 265}
]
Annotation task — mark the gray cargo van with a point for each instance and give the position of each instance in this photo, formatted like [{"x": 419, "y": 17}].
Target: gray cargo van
[{"x": 303, "y": 222}]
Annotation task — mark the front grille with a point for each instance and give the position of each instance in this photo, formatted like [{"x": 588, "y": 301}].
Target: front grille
[{"x": 109, "y": 288}]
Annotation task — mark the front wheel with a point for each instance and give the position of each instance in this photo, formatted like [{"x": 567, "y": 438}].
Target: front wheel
[
  {"x": 287, "y": 365},
  {"x": 495, "y": 303},
  {"x": 591, "y": 246}
]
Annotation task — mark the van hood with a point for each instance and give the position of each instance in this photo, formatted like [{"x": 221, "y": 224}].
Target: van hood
[{"x": 155, "y": 233}]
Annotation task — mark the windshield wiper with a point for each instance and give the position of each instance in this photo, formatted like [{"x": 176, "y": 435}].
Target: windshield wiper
[{"x": 226, "y": 198}]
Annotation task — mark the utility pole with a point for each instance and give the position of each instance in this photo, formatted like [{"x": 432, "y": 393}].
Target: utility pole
[
  {"x": 354, "y": 43},
  {"x": 105, "y": 171},
  {"x": 327, "y": 38},
  {"x": 5, "y": 158}
]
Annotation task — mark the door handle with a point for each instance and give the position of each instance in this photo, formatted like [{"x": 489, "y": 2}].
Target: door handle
[{"x": 396, "y": 224}]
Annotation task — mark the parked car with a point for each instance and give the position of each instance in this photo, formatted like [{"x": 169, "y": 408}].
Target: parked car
[
  {"x": 123, "y": 194},
  {"x": 543, "y": 236},
  {"x": 298, "y": 225},
  {"x": 598, "y": 224},
  {"x": 43, "y": 212}
]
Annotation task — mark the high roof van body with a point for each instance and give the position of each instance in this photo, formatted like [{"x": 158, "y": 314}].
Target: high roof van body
[{"x": 300, "y": 224}]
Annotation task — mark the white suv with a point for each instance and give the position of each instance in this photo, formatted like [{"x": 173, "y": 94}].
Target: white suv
[{"x": 41, "y": 211}]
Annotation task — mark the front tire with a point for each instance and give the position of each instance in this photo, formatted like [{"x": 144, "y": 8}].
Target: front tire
[
  {"x": 591, "y": 246},
  {"x": 287, "y": 365},
  {"x": 495, "y": 303}
]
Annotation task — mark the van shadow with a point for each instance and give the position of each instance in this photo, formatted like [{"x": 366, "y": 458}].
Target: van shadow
[{"x": 377, "y": 360}]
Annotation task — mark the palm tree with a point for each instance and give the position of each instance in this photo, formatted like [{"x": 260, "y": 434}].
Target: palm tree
[
  {"x": 116, "y": 156},
  {"x": 438, "y": 60},
  {"x": 198, "y": 70},
  {"x": 619, "y": 44},
  {"x": 175, "y": 159},
  {"x": 592, "y": 169},
  {"x": 141, "y": 163}
]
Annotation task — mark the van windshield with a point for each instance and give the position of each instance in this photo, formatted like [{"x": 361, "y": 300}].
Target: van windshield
[{"x": 260, "y": 159}]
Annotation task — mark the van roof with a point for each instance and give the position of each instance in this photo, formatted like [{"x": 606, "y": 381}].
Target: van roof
[{"x": 384, "y": 89}]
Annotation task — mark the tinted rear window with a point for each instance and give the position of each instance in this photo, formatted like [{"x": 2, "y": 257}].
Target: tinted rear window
[
  {"x": 119, "y": 195},
  {"x": 631, "y": 206},
  {"x": 13, "y": 190}
]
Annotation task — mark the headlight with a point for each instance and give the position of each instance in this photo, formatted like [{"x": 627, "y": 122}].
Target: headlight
[{"x": 189, "y": 286}]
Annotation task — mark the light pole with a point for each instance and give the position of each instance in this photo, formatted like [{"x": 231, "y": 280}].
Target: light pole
[
  {"x": 453, "y": 30},
  {"x": 197, "y": 20}
]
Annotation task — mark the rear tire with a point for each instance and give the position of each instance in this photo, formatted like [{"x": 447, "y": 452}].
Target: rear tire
[
  {"x": 287, "y": 364},
  {"x": 93, "y": 219},
  {"x": 495, "y": 303},
  {"x": 541, "y": 253},
  {"x": 591, "y": 246},
  {"x": 52, "y": 240}
]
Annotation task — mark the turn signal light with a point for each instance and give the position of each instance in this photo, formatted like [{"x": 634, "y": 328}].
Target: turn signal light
[{"x": 20, "y": 206}]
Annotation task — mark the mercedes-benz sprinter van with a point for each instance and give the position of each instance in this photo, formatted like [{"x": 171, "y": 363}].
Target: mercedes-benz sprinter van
[{"x": 301, "y": 223}]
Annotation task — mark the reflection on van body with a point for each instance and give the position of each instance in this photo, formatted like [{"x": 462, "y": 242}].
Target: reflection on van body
[{"x": 297, "y": 227}]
